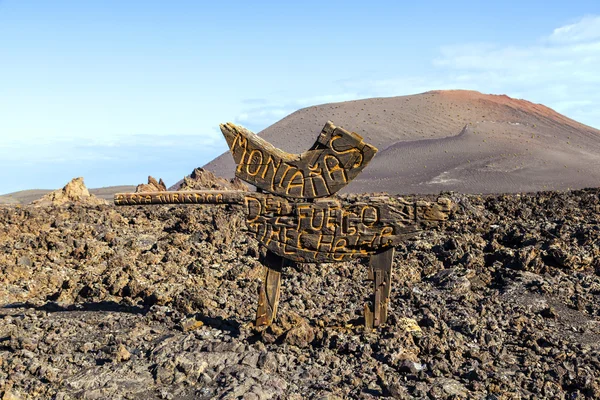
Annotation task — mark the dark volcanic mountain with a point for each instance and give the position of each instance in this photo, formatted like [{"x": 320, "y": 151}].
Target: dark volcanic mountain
[{"x": 455, "y": 140}]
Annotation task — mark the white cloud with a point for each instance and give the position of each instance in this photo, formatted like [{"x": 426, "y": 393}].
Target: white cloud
[{"x": 588, "y": 28}]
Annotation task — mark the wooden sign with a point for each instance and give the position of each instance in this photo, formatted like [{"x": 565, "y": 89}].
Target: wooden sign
[
  {"x": 298, "y": 219},
  {"x": 330, "y": 230},
  {"x": 335, "y": 159},
  {"x": 326, "y": 230}
]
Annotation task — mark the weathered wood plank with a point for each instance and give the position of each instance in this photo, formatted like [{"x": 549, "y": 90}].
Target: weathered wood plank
[
  {"x": 380, "y": 272},
  {"x": 181, "y": 197},
  {"x": 335, "y": 159},
  {"x": 268, "y": 295},
  {"x": 326, "y": 230},
  {"x": 330, "y": 230}
]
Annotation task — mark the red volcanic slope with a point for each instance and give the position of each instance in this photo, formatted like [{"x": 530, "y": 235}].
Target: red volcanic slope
[{"x": 455, "y": 140}]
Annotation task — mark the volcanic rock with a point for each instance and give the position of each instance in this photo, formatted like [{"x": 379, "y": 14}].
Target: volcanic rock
[
  {"x": 74, "y": 191},
  {"x": 499, "y": 301},
  {"x": 450, "y": 140},
  {"x": 122, "y": 354},
  {"x": 151, "y": 186},
  {"x": 8, "y": 395},
  {"x": 301, "y": 334},
  {"x": 202, "y": 179}
]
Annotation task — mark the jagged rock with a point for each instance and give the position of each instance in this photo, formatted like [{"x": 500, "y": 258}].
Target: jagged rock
[
  {"x": 201, "y": 179},
  {"x": 82, "y": 286},
  {"x": 74, "y": 191},
  {"x": 454, "y": 279},
  {"x": 8, "y": 395},
  {"x": 301, "y": 334},
  {"x": 151, "y": 186},
  {"x": 122, "y": 354},
  {"x": 409, "y": 325},
  {"x": 449, "y": 388},
  {"x": 189, "y": 324}
]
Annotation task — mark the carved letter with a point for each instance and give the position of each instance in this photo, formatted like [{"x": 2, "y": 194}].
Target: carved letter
[
  {"x": 316, "y": 172},
  {"x": 359, "y": 156},
  {"x": 297, "y": 181},
  {"x": 253, "y": 208},
  {"x": 336, "y": 173},
  {"x": 241, "y": 142},
  {"x": 305, "y": 212},
  {"x": 386, "y": 231},
  {"x": 340, "y": 244},
  {"x": 288, "y": 167},
  {"x": 274, "y": 168},
  {"x": 255, "y": 160},
  {"x": 370, "y": 215}
]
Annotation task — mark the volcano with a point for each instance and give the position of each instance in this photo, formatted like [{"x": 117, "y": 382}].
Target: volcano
[{"x": 450, "y": 140}]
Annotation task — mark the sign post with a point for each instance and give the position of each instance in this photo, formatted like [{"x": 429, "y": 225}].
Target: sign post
[{"x": 297, "y": 217}]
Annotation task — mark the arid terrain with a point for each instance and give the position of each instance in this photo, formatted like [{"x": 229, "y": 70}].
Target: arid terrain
[
  {"x": 456, "y": 140},
  {"x": 502, "y": 301}
]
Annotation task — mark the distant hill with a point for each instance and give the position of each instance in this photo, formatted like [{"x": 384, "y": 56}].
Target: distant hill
[
  {"x": 456, "y": 140},
  {"x": 27, "y": 196}
]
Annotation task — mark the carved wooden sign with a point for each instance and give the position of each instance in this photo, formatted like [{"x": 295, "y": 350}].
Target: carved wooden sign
[
  {"x": 326, "y": 230},
  {"x": 329, "y": 230},
  {"x": 298, "y": 219},
  {"x": 335, "y": 159}
]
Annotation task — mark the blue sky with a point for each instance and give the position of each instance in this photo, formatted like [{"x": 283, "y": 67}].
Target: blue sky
[{"x": 115, "y": 91}]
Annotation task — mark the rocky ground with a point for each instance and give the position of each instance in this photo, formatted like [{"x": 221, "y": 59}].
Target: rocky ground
[{"x": 500, "y": 302}]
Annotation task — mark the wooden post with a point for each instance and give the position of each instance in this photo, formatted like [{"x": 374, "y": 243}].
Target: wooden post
[
  {"x": 380, "y": 272},
  {"x": 268, "y": 296}
]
